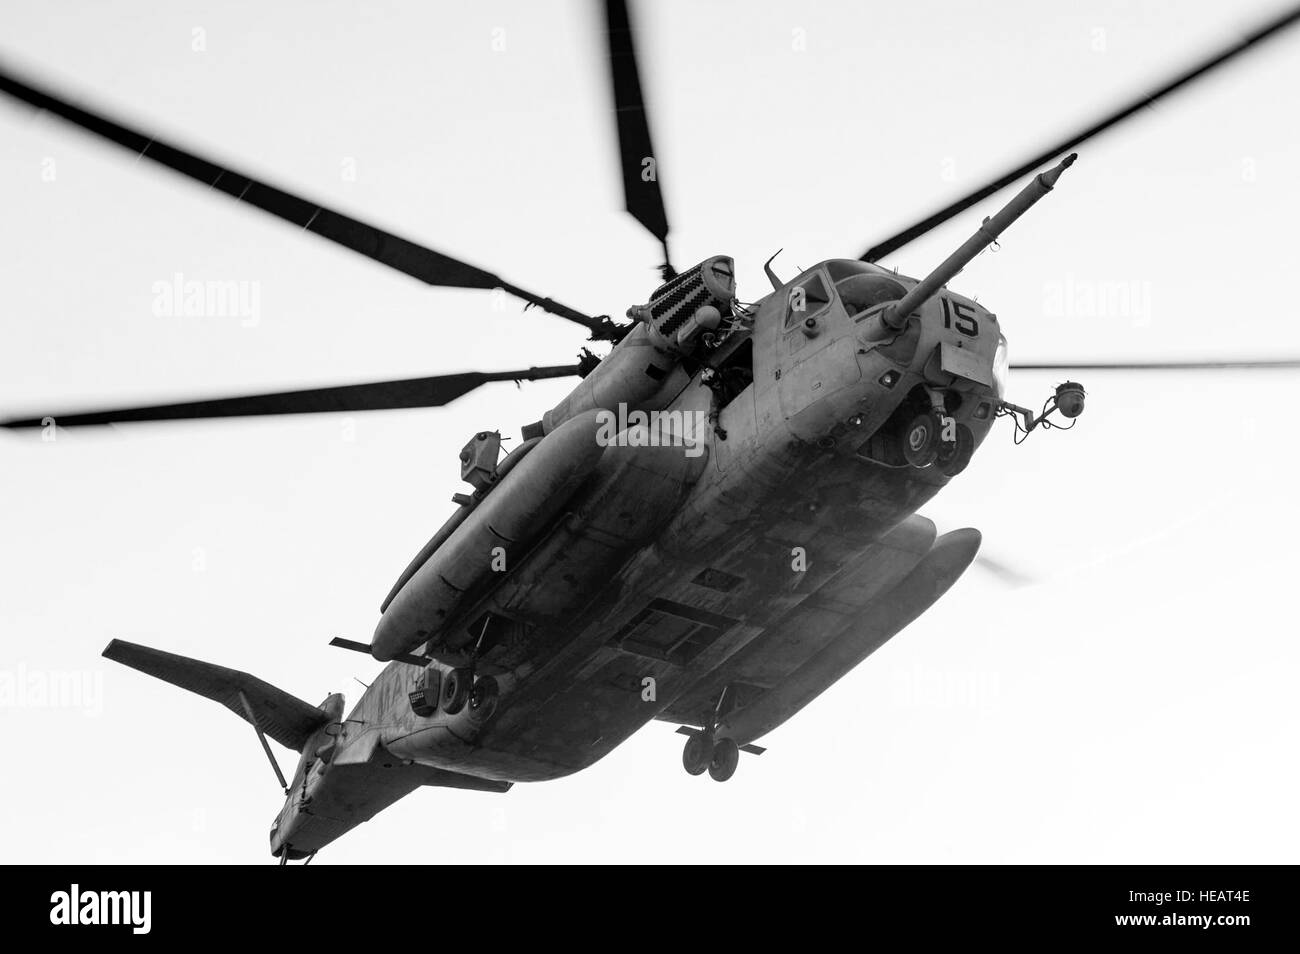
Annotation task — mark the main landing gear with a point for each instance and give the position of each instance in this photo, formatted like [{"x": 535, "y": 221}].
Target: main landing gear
[
  {"x": 457, "y": 689},
  {"x": 719, "y": 757},
  {"x": 704, "y": 751},
  {"x": 461, "y": 688}
]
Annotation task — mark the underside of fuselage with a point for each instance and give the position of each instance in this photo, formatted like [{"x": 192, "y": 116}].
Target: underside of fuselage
[
  {"x": 696, "y": 622},
  {"x": 709, "y": 604}
]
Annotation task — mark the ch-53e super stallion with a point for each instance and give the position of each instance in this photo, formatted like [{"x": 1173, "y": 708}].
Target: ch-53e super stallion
[{"x": 716, "y": 524}]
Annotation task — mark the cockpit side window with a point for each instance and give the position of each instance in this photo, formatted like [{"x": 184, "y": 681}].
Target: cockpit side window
[{"x": 806, "y": 299}]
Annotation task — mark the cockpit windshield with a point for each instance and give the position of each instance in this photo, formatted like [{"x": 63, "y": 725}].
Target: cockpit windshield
[{"x": 860, "y": 293}]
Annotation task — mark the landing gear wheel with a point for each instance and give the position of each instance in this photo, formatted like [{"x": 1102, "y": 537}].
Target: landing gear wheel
[
  {"x": 483, "y": 697},
  {"x": 697, "y": 754},
  {"x": 921, "y": 440},
  {"x": 726, "y": 756},
  {"x": 954, "y": 460},
  {"x": 946, "y": 451},
  {"x": 455, "y": 690}
]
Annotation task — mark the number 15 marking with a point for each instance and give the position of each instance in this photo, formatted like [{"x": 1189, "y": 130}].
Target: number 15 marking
[{"x": 962, "y": 316}]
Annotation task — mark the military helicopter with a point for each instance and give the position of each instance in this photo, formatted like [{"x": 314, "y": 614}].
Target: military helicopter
[{"x": 716, "y": 524}]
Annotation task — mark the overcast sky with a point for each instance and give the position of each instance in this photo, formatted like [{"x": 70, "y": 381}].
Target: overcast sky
[{"x": 1136, "y": 705}]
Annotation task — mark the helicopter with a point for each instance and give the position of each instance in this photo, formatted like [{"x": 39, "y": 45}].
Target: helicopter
[{"x": 715, "y": 525}]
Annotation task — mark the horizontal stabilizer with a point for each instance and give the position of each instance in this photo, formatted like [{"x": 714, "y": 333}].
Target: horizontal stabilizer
[{"x": 283, "y": 717}]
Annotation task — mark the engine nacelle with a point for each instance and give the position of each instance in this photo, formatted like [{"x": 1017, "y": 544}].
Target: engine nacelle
[{"x": 679, "y": 315}]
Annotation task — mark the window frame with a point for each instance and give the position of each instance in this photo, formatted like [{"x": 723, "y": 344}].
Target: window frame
[{"x": 818, "y": 274}]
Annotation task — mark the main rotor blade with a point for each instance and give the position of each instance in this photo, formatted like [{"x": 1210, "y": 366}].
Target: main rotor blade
[
  {"x": 641, "y": 190},
  {"x": 1160, "y": 365},
  {"x": 1004, "y": 572},
  {"x": 383, "y": 395},
  {"x": 430, "y": 267},
  {"x": 909, "y": 234}
]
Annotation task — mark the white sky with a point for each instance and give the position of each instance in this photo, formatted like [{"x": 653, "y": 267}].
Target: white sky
[{"x": 1136, "y": 705}]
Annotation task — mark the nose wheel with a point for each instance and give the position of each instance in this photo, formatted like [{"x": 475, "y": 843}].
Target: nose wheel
[
  {"x": 921, "y": 440},
  {"x": 955, "y": 454},
  {"x": 932, "y": 439}
]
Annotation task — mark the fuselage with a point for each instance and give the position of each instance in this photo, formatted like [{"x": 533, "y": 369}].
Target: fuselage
[{"x": 669, "y": 550}]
